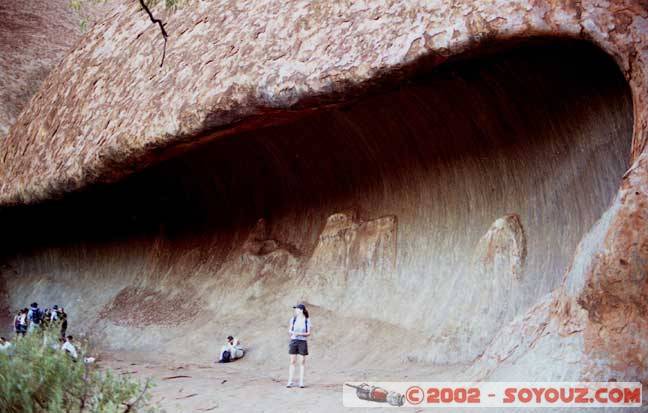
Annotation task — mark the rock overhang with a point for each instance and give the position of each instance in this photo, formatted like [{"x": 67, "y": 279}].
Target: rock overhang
[{"x": 109, "y": 109}]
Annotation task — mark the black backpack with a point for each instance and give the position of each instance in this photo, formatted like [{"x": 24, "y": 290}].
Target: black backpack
[
  {"x": 226, "y": 357},
  {"x": 36, "y": 316}
]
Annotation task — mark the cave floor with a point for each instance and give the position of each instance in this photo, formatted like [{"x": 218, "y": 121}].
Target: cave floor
[{"x": 203, "y": 386}]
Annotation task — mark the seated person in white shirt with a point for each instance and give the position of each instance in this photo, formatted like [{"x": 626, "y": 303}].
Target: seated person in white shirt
[
  {"x": 5, "y": 346},
  {"x": 231, "y": 351},
  {"x": 69, "y": 348}
]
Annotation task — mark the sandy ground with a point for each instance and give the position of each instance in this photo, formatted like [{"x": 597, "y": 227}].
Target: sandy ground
[
  {"x": 246, "y": 387},
  {"x": 242, "y": 386}
]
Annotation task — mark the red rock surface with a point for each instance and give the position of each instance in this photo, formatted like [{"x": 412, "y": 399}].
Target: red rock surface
[
  {"x": 227, "y": 67},
  {"x": 34, "y": 37}
]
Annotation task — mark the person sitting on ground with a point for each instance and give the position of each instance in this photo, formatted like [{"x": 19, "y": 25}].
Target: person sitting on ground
[
  {"x": 69, "y": 348},
  {"x": 231, "y": 351},
  {"x": 5, "y": 345},
  {"x": 35, "y": 317}
]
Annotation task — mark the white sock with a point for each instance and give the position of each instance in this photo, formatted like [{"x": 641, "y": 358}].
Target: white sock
[
  {"x": 301, "y": 374},
  {"x": 291, "y": 373}
]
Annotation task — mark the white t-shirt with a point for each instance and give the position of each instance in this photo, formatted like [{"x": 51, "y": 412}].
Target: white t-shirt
[
  {"x": 22, "y": 319},
  {"x": 4, "y": 348},
  {"x": 302, "y": 325},
  {"x": 235, "y": 349},
  {"x": 69, "y": 347}
]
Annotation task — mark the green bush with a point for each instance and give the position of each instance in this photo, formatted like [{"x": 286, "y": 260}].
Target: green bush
[{"x": 35, "y": 378}]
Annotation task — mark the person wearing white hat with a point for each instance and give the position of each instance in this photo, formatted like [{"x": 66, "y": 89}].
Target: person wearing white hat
[{"x": 300, "y": 329}]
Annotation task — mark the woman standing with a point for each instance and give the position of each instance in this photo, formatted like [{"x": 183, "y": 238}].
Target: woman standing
[
  {"x": 300, "y": 329},
  {"x": 20, "y": 322}
]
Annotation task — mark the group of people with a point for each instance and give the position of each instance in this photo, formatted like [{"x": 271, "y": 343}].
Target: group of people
[
  {"x": 299, "y": 330},
  {"x": 64, "y": 344},
  {"x": 34, "y": 318}
]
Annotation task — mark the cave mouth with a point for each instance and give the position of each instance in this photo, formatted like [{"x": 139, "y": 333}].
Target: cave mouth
[{"x": 417, "y": 172}]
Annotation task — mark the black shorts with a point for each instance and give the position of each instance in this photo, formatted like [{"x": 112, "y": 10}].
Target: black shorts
[{"x": 298, "y": 347}]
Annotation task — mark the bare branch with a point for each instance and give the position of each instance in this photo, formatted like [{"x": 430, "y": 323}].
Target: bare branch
[
  {"x": 130, "y": 407},
  {"x": 159, "y": 23}
]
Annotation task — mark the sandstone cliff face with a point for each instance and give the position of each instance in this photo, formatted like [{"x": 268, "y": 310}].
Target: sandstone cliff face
[
  {"x": 477, "y": 207},
  {"x": 34, "y": 37}
]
